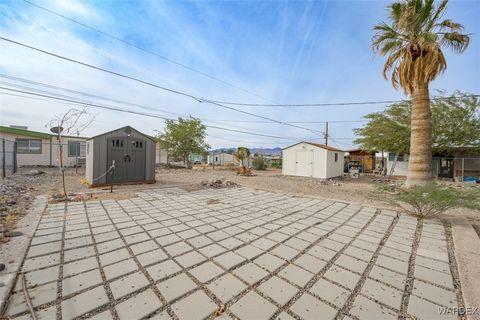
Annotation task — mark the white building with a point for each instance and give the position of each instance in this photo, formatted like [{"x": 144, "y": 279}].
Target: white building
[
  {"x": 312, "y": 160},
  {"x": 220, "y": 159},
  {"x": 42, "y": 149},
  {"x": 161, "y": 155}
]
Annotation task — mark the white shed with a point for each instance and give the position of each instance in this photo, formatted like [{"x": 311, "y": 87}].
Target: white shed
[
  {"x": 312, "y": 160},
  {"x": 220, "y": 159}
]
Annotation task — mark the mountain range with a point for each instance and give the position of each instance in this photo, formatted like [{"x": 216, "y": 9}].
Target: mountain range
[{"x": 265, "y": 151}]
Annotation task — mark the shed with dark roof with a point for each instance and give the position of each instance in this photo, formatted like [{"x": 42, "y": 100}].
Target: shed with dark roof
[{"x": 124, "y": 155}]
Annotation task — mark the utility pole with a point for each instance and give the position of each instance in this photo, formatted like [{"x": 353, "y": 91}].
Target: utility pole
[{"x": 326, "y": 133}]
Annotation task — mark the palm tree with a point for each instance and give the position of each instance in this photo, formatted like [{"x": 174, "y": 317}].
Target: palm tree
[{"x": 413, "y": 40}]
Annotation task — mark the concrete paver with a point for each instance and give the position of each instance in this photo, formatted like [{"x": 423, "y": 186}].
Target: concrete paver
[
  {"x": 138, "y": 306},
  {"x": 173, "y": 246},
  {"x": 175, "y": 287},
  {"x": 206, "y": 271},
  {"x": 310, "y": 308},
  {"x": 364, "y": 308},
  {"x": 296, "y": 275},
  {"x": 226, "y": 287},
  {"x": 119, "y": 268},
  {"x": 330, "y": 292},
  {"x": 278, "y": 289},
  {"x": 382, "y": 293},
  {"x": 195, "y": 306},
  {"x": 253, "y": 306},
  {"x": 84, "y": 303},
  {"x": 81, "y": 281},
  {"x": 128, "y": 284},
  {"x": 250, "y": 273}
]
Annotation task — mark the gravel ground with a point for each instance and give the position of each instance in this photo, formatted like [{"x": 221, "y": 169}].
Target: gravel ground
[
  {"x": 355, "y": 190},
  {"x": 18, "y": 191},
  {"x": 361, "y": 190}
]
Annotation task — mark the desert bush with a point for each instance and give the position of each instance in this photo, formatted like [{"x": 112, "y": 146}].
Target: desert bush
[
  {"x": 259, "y": 163},
  {"x": 427, "y": 201},
  {"x": 277, "y": 164},
  {"x": 431, "y": 200}
]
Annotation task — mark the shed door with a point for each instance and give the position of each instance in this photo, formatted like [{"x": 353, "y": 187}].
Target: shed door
[
  {"x": 130, "y": 156},
  {"x": 136, "y": 164},
  {"x": 117, "y": 150},
  {"x": 304, "y": 163}
]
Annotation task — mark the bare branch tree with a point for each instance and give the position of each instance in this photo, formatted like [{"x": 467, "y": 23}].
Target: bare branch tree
[{"x": 72, "y": 122}]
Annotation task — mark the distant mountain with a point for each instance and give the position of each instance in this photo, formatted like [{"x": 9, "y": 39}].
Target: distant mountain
[{"x": 265, "y": 151}]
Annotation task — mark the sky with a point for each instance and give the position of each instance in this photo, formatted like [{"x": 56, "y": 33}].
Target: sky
[{"x": 282, "y": 52}]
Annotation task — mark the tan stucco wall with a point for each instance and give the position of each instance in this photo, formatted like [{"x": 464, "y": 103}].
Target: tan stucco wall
[{"x": 37, "y": 159}]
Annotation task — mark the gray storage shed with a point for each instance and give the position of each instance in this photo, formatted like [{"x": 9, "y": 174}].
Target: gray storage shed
[{"x": 132, "y": 152}]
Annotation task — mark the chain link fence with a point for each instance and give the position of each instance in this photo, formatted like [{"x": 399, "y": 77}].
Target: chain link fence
[{"x": 8, "y": 157}]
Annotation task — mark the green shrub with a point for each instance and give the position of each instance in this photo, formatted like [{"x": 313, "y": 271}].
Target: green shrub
[
  {"x": 276, "y": 164},
  {"x": 259, "y": 163},
  {"x": 428, "y": 201},
  {"x": 431, "y": 200}
]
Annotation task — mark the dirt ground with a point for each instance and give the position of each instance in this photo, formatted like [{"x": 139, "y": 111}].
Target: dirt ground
[
  {"x": 18, "y": 191},
  {"x": 362, "y": 190}
]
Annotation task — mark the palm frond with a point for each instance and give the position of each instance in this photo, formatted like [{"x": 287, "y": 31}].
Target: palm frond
[
  {"x": 456, "y": 41},
  {"x": 450, "y": 25},
  {"x": 412, "y": 41}
]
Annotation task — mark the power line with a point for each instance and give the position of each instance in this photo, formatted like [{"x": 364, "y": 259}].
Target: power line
[
  {"x": 87, "y": 102},
  {"x": 93, "y": 105},
  {"x": 43, "y": 84},
  {"x": 222, "y": 103},
  {"x": 338, "y": 104},
  {"x": 84, "y": 94},
  {"x": 146, "y": 50},
  {"x": 106, "y": 34},
  {"x": 198, "y": 99}
]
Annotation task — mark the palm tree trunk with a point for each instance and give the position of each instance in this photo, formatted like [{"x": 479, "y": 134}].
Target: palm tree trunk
[{"x": 420, "y": 160}]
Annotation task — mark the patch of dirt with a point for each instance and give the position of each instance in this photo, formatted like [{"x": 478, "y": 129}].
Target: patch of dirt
[
  {"x": 18, "y": 191},
  {"x": 361, "y": 190}
]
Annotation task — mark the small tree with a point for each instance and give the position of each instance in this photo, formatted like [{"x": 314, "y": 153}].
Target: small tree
[
  {"x": 72, "y": 122},
  {"x": 184, "y": 137},
  {"x": 241, "y": 155},
  {"x": 455, "y": 119},
  {"x": 259, "y": 163}
]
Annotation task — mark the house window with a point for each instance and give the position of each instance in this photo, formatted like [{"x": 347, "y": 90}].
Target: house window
[
  {"x": 336, "y": 157},
  {"x": 29, "y": 146},
  {"x": 76, "y": 149}
]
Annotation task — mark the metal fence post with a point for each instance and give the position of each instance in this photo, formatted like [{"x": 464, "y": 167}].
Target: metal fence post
[
  {"x": 3, "y": 159},
  {"x": 15, "y": 157},
  {"x": 463, "y": 166}
]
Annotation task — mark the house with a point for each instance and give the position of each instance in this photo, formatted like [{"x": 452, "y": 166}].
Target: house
[
  {"x": 161, "y": 154},
  {"x": 220, "y": 159},
  {"x": 124, "y": 155},
  {"x": 458, "y": 164},
  {"x": 364, "y": 158},
  {"x": 36, "y": 148},
  {"x": 195, "y": 157},
  {"x": 315, "y": 160}
]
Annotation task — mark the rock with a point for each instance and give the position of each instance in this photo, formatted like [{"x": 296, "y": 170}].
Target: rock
[
  {"x": 33, "y": 173},
  {"x": 2, "y": 266},
  {"x": 13, "y": 234},
  {"x": 217, "y": 183}
]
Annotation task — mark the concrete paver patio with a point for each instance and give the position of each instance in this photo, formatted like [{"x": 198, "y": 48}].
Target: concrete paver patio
[{"x": 247, "y": 254}]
